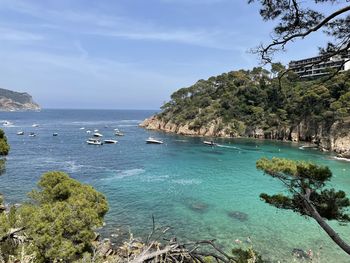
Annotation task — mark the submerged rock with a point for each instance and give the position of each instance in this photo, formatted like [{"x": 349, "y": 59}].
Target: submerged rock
[
  {"x": 301, "y": 254},
  {"x": 238, "y": 215},
  {"x": 198, "y": 206}
]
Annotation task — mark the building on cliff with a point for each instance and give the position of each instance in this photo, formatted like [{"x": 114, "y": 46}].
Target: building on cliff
[{"x": 317, "y": 66}]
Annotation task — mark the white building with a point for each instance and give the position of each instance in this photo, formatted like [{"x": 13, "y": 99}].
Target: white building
[{"x": 317, "y": 66}]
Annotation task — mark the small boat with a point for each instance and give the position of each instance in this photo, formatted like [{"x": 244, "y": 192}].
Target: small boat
[
  {"x": 154, "y": 141},
  {"x": 93, "y": 141},
  {"x": 210, "y": 143},
  {"x": 20, "y": 133},
  {"x": 96, "y": 134},
  {"x": 118, "y": 133},
  {"x": 96, "y": 130},
  {"x": 32, "y": 134},
  {"x": 7, "y": 123},
  {"x": 82, "y": 128},
  {"x": 35, "y": 125},
  {"x": 88, "y": 131},
  {"x": 110, "y": 141},
  {"x": 55, "y": 134}
]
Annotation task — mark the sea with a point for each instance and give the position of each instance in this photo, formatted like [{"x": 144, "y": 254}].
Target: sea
[{"x": 196, "y": 191}]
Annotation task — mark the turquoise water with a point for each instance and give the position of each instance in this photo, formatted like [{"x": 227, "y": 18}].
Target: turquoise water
[{"x": 193, "y": 188}]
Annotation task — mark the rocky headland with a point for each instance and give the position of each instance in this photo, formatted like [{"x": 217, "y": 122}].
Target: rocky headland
[
  {"x": 16, "y": 101},
  {"x": 247, "y": 104}
]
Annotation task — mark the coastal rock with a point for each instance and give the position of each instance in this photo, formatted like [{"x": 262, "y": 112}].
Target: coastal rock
[
  {"x": 16, "y": 101},
  {"x": 345, "y": 155},
  {"x": 238, "y": 215},
  {"x": 340, "y": 138},
  {"x": 301, "y": 254},
  {"x": 336, "y": 138},
  {"x": 198, "y": 206}
]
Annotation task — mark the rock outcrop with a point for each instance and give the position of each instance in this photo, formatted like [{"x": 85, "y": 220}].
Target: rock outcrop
[
  {"x": 16, "y": 101},
  {"x": 336, "y": 138}
]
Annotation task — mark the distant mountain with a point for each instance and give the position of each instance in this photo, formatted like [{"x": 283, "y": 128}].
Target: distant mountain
[{"x": 16, "y": 101}]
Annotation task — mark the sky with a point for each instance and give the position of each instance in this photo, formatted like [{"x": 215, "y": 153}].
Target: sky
[{"x": 127, "y": 54}]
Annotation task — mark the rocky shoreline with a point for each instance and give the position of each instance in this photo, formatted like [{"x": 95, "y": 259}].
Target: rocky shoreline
[{"x": 334, "y": 139}]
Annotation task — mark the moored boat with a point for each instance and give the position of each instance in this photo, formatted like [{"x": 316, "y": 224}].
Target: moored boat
[
  {"x": 154, "y": 141},
  {"x": 7, "y": 123},
  {"x": 93, "y": 141},
  {"x": 210, "y": 143},
  {"x": 32, "y": 134},
  {"x": 96, "y": 134},
  {"x": 109, "y": 141},
  {"x": 55, "y": 134},
  {"x": 118, "y": 133},
  {"x": 20, "y": 133}
]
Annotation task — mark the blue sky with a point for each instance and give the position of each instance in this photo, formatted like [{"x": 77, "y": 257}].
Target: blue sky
[{"x": 127, "y": 54}]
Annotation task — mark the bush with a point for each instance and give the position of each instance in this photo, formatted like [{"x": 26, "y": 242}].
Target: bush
[
  {"x": 4, "y": 147},
  {"x": 62, "y": 217}
]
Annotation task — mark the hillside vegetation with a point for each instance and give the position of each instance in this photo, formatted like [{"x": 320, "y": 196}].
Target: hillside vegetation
[{"x": 256, "y": 103}]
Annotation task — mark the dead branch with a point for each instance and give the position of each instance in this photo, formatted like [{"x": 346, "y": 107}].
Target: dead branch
[{"x": 11, "y": 233}]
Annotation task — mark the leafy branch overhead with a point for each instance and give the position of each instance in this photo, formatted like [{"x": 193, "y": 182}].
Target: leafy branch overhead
[{"x": 296, "y": 20}]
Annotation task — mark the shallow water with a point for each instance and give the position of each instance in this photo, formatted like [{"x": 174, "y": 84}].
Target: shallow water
[{"x": 201, "y": 192}]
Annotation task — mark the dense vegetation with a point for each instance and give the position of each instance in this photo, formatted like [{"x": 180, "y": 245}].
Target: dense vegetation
[
  {"x": 59, "y": 221},
  {"x": 244, "y": 100},
  {"x": 4, "y": 147}
]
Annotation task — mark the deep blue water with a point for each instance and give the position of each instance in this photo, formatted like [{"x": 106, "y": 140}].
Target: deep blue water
[{"x": 183, "y": 183}]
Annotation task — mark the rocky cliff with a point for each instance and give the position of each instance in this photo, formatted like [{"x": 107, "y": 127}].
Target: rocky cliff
[
  {"x": 336, "y": 139},
  {"x": 16, "y": 101},
  {"x": 255, "y": 103}
]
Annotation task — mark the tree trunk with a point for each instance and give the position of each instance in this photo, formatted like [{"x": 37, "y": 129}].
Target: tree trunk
[{"x": 330, "y": 231}]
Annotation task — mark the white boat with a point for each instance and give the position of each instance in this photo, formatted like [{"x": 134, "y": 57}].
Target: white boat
[
  {"x": 32, "y": 134},
  {"x": 7, "y": 123},
  {"x": 96, "y": 130},
  {"x": 35, "y": 125},
  {"x": 118, "y": 133},
  {"x": 82, "y": 128},
  {"x": 154, "y": 141},
  {"x": 210, "y": 143},
  {"x": 20, "y": 133},
  {"x": 93, "y": 141},
  {"x": 96, "y": 134},
  {"x": 88, "y": 131},
  {"x": 110, "y": 141}
]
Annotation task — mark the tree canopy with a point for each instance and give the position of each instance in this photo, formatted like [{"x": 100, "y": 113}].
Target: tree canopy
[
  {"x": 4, "y": 147},
  {"x": 61, "y": 218},
  {"x": 307, "y": 195}
]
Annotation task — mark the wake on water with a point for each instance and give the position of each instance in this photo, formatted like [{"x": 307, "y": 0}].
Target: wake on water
[{"x": 228, "y": 146}]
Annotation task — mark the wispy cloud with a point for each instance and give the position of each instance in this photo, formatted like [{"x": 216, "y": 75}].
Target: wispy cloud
[
  {"x": 89, "y": 23},
  {"x": 10, "y": 34}
]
